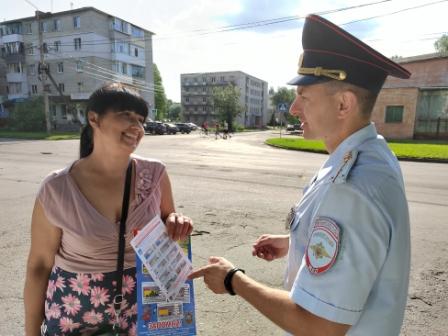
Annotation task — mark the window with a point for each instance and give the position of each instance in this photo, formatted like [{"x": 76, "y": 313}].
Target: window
[
  {"x": 394, "y": 114},
  {"x": 57, "y": 25},
  {"x": 79, "y": 66},
  {"x": 137, "y": 32},
  {"x": 80, "y": 86},
  {"x": 27, "y": 28},
  {"x": 64, "y": 111},
  {"x": 29, "y": 49},
  {"x": 138, "y": 71},
  {"x": 136, "y": 52},
  {"x": 222, "y": 78},
  {"x": 34, "y": 89},
  {"x": 15, "y": 68},
  {"x": 187, "y": 99},
  {"x": 44, "y": 26},
  {"x": 77, "y": 42},
  {"x": 60, "y": 67},
  {"x": 15, "y": 88},
  {"x": 32, "y": 69},
  {"x": 204, "y": 99},
  {"x": 53, "y": 111},
  {"x": 213, "y": 79},
  {"x": 76, "y": 22},
  {"x": 61, "y": 87},
  {"x": 124, "y": 68},
  {"x": 57, "y": 46}
]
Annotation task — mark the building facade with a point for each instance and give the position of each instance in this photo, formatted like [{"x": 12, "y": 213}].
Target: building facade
[
  {"x": 83, "y": 48},
  {"x": 416, "y": 107},
  {"x": 197, "y": 99}
]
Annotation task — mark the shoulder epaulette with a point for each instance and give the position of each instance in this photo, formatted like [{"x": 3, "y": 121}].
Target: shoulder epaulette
[{"x": 343, "y": 171}]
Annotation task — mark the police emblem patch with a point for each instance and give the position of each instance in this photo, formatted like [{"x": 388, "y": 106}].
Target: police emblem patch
[{"x": 323, "y": 246}]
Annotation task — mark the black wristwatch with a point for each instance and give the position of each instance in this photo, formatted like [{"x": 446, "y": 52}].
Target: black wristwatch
[{"x": 228, "y": 279}]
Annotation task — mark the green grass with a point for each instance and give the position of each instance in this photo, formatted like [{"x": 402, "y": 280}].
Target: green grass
[
  {"x": 409, "y": 149},
  {"x": 39, "y": 135}
]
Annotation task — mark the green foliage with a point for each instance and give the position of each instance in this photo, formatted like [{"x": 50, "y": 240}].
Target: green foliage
[
  {"x": 226, "y": 102},
  {"x": 174, "y": 111},
  {"x": 159, "y": 95},
  {"x": 415, "y": 150},
  {"x": 287, "y": 96},
  {"x": 441, "y": 44},
  {"x": 29, "y": 115}
]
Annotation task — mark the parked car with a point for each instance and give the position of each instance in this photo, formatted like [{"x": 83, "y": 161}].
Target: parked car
[
  {"x": 155, "y": 127},
  {"x": 171, "y": 128},
  {"x": 193, "y": 126},
  {"x": 294, "y": 128},
  {"x": 184, "y": 128}
]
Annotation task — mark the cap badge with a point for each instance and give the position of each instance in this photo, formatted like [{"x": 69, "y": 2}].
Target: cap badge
[{"x": 323, "y": 245}]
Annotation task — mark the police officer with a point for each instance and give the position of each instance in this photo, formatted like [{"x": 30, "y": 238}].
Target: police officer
[{"x": 349, "y": 243}]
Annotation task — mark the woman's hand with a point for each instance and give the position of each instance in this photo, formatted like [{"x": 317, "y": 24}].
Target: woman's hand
[{"x": 178, "y": 226}]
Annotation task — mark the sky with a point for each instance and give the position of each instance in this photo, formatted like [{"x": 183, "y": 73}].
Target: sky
[{"x": 200, "y": 36}]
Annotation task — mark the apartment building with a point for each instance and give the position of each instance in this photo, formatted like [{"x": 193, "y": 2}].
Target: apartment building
[
  {"x": 197, "y": 101},
  {"x": 83, "y": 48}
]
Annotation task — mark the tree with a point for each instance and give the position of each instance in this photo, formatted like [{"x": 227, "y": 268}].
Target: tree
[
  {"x": 159, "y": 95},
  {"x": 174, "y": 111},
  {"x": 441, "y": 44},
  {"x": 29, "y": 115},
  {"x": 226, "y": 101},
  {"x": 286, "y": 96}
]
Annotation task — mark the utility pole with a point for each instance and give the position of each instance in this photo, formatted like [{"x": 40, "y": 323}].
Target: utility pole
[{"x": 43, "y": 67}]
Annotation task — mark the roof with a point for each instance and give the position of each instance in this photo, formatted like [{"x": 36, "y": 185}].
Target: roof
[
  {"x": 72, "y": 11},
  {"x": 222, "y": 73},
  {"x": 425, "y": 57}
]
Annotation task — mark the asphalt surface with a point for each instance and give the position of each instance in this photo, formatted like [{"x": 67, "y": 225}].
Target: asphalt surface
[{"x": 235, "y": 190}]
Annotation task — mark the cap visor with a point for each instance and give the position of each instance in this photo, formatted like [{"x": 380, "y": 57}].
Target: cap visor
[{"x": 304, "y": 80}]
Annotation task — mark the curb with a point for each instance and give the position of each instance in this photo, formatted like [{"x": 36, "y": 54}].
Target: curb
[{"x": 408, "y": 159}]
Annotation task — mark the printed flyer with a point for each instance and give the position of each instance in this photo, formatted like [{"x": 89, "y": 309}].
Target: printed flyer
[{"x": 160, "y": 312}]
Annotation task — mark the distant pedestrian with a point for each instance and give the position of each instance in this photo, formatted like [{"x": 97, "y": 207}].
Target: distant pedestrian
[
  {"x": 205, "y": 127},
  {"x": 225, "y": 130},
  {"x": 217, "y": 130}
]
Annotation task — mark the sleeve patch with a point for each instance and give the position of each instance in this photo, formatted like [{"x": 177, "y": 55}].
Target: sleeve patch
[{"x": 323, "y": 245}]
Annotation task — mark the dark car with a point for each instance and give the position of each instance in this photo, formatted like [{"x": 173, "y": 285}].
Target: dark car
[
  {"x": 183, "y": 128},
  {"x": 171, "y": 128},
  {"x": 294, "y": 128},
  {"x": 155, "y": 127}
]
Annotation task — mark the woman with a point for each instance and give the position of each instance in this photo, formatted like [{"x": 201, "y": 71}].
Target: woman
[{"x": 70, "y": 280}]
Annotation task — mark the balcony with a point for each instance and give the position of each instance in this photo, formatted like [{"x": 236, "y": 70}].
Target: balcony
[
  {"x": 18, "y": 95},
  {"x": 11, "y": 38},
  {"x": 15, "y": 77}
]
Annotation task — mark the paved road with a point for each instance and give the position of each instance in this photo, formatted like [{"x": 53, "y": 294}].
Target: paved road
[{"x": 235, "y": 190}]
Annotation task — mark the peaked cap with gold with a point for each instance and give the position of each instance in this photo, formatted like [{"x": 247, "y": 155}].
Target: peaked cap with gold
[{"x": 329, "y": 52}]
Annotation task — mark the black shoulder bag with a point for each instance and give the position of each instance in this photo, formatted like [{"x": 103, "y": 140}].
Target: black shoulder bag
[{"x": 118, "y": 298}]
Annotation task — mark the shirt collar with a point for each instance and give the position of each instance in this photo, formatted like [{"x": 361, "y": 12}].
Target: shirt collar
[{"x": 354, "y": 140}]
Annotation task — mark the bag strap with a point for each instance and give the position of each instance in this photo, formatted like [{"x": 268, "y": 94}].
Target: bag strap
[{"x": 121, "y": 242}]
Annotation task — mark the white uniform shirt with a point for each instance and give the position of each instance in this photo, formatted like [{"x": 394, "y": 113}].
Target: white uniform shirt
[{"x": 363, "y": 193}]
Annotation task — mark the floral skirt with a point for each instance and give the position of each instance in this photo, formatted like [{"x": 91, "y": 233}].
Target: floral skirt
[{"x": 82, "y": 303}]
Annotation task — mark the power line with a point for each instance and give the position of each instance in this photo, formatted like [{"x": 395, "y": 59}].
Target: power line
[{"x": 393, "y": 13}]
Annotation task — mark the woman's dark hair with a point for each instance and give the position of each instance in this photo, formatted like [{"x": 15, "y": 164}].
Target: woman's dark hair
[{"x": 113, "y": 97}]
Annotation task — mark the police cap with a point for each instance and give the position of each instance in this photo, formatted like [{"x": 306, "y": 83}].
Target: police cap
[{"x": 329, "y": 52}]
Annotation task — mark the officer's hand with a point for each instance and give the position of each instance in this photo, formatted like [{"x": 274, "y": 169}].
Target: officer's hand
[
  {"x": 178, "y": 226},
  {"x": 270, "y": 247},
  {"x": 214, "y": 274}
]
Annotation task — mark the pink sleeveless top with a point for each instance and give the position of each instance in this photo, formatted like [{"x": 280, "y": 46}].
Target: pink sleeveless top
[{"x": 89, "y": 241}]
